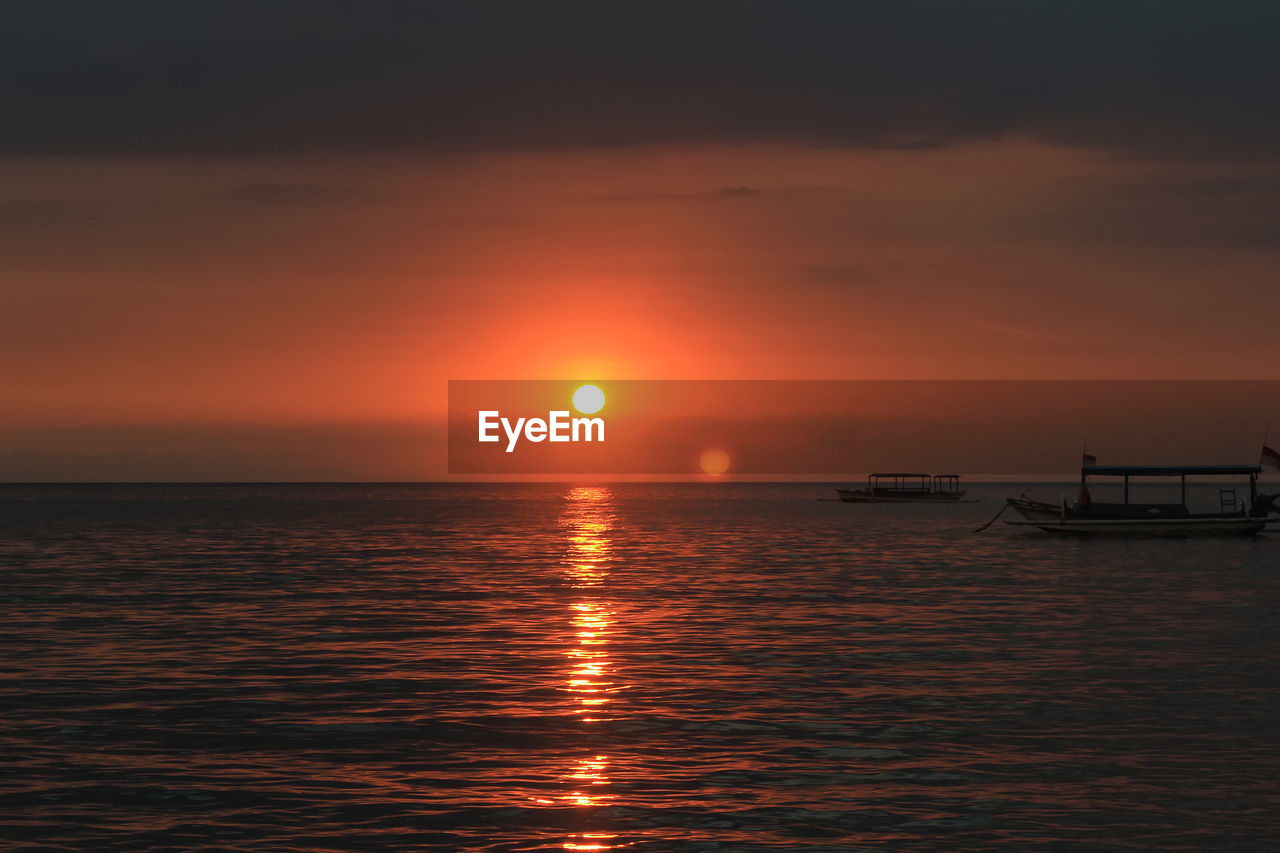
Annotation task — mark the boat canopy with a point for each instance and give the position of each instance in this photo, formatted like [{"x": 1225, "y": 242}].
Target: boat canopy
[
  {"x": 1168, "y": 470},
  {"x": 894, "y": 474}
]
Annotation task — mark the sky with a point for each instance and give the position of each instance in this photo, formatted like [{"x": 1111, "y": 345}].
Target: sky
[{"x": 248, "y": 241}]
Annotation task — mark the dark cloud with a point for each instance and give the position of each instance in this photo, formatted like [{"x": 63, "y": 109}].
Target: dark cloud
[
  {"x": 22, "y": 214},
  {"x": 1180, "y": 188},
  {"x": 1237, "y": 211},
  {"x": 727, "y": 193},
  {"x": 1146, "y": 78},
  {"x": 736, "y": 192},
  {"x": 295, "y": 194},
  {"x": 839, "y": 275}
]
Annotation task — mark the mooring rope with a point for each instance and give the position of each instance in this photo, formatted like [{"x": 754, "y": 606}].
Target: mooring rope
[{"x": 993, "y": 519}]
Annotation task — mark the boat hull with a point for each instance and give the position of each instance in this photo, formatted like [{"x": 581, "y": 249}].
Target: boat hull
[
  {"x": 1172, "y": 527},
  {"x": 1033, "y": 510},
  {"x": 862, "y": 496}
]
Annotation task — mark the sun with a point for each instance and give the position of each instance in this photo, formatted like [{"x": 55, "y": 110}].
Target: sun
[
  {"x": 588, "y": 399},
  {"x": 714, "y": 462}
]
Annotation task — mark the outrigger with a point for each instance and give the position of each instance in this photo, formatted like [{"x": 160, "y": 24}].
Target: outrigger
[
  {"x": 906, "y": 488},
  {"x": 1233, "y": 518}
]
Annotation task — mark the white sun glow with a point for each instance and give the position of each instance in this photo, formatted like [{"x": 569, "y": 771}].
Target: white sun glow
[{"x": 588, "y": 399}]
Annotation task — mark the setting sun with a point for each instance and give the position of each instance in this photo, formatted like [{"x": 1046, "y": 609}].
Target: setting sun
[
  {"x": 714, "y": 462},
  {"x": 588, "y": 399}
]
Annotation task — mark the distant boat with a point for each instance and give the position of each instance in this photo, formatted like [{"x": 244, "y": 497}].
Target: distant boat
[
  {"x": 1234, "y": 517},
  {"x": 906, "y": 488}
]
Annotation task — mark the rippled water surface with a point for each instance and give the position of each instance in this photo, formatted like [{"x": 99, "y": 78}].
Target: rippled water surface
[{"x": 644, "y": 667}]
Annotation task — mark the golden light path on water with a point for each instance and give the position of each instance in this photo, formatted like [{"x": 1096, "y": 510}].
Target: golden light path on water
[
  {"x": 422, "y": 667},
  {"x": 590, "y": 684}
]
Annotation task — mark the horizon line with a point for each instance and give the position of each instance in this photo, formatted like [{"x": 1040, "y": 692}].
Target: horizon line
[{"x": 993, "y": 479}]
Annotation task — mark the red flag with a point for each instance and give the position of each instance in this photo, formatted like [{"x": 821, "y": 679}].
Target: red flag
[
  {"x": 1093, "y": 460},
  {"x": 1270, "y": 459}
]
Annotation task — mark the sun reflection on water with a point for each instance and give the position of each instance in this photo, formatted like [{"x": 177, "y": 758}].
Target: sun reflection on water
[
  {"x": 590, "y": 681},
  {"x": 590, "y": 841}
]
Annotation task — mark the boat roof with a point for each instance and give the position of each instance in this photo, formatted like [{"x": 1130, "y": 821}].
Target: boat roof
[
  {"x": 1168, "y": 470},
  {"x": 900, "y": 474}
]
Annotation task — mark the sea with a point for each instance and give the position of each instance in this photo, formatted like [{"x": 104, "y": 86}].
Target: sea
[{"x": 644, "y": 667}]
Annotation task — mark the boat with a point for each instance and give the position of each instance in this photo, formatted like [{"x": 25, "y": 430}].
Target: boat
[
  {"x": 1235, "y": 517},
  {"x": 900, "y": 488},
  {"x": 1031, "y": 508}
]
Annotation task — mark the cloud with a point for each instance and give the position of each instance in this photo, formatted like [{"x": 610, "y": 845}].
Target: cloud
[
  {"x": 1216, "y": 211},
  {"x": 1157, "y": 79},
  {"x": 294, "y": 194},
  {"x": 21, "y": 214},
  {"x": 727, "y": 193}
]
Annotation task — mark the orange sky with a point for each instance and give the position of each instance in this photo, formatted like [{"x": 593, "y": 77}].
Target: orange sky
[{"x": 294, "y": 292}]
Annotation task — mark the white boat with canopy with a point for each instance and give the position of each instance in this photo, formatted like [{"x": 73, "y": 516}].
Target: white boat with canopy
[{"x": 1235, "y": 516}]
